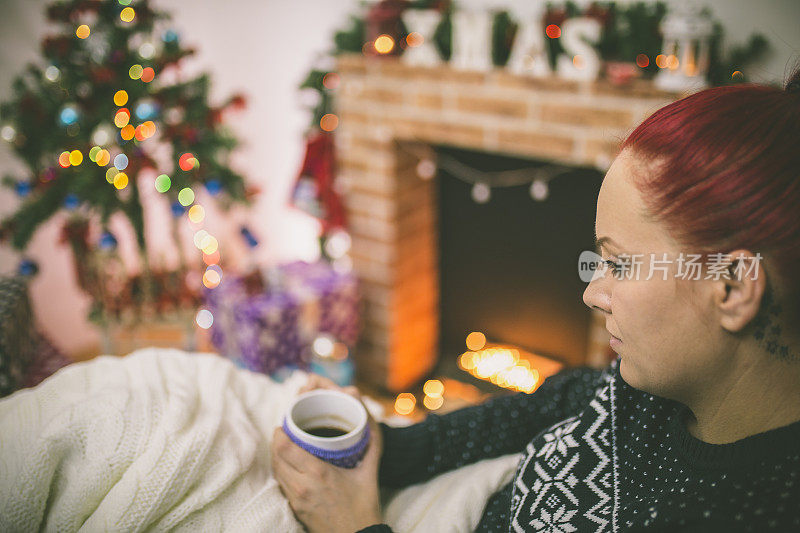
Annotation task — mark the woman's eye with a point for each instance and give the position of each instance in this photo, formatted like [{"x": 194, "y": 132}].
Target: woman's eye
[{"x": 612, "y": 265}]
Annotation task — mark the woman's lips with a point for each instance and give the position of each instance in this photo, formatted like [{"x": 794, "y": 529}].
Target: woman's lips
[{"x": 614, "y": 342}]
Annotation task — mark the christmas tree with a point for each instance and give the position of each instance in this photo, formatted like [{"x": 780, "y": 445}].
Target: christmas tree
[{"x": 105, "y": 115}]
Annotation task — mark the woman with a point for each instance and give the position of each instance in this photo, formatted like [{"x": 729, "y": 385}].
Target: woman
[{"x": 696, "y": 425}]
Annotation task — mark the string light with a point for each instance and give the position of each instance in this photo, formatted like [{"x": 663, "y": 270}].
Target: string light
[
  {"x": 186, "y": 196},
  {"x": 212, "y": 276},
  {"x": 432, "y": 403},
  {"x": 120, "y": 180},
  {"x": 135, "y": 72},
  {"x": 147, "y": 51},
  {"x": 484, "y": 181},
  {"x": 672, "y": 62},
  {"x": 414, "y": 39},
  {"x": 198, "y": 238},
  {"x": 103, "y": 158},
  {"x": 337, "y": 244},
  {"x": 75, "y": 158},
  {"x": 433, "y": 388},
  {"x": 163, "y": 183},
  {"x": 8, "y": 133},
  {"x": 110, "y": 174},
  {"x": 405, "y": 403},
  {"x": 476, "y": 341},
  {"x": 330, "y": 80},
  {"x": 323, "y": 346},
  {"x": 204, "y": 318},
  {"x": 426, "y": 169},
  {"x": 539, "y": 190},
  {"x": 210, "y": 245},
  {"x": 52, "y": 73},
  {"x": 197, "y": 213},
  {"x": 553, "y": 31},
  {"x": 83, "y": 31},
  {"x": 329, "y": 122},
  {"x": 642, "y": 60},
  {"x": 384, "y": 44},
  {"x": 187, "y": 162},
  {"x": 148, "y": 74},
  {"x": 127, "y": 14},
  {"x": 120, "y": 98},
  {"x": 121, "y": 161},
  {"x": 481, "y": 193},
  {"x": 127, "y": 132},
  {"x": 122, "y": 117}
]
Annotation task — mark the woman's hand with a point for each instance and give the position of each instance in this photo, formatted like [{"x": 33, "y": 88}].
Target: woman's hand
[{"x": 325, "y": 497}]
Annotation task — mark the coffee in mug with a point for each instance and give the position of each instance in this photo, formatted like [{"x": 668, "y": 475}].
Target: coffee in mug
[{"x": 329, "y": 424}]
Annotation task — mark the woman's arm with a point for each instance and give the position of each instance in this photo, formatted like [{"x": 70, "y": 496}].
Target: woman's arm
[{"x": 499, "y": 426}]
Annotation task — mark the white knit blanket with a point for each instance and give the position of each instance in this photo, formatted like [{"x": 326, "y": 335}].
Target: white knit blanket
[{"x": 162, "y": 439}]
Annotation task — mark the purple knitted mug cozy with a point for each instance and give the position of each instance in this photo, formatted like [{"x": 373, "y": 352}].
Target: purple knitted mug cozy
[{"x": 347, "y": 458}]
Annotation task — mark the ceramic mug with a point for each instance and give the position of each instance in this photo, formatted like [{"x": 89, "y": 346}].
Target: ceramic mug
[{"x": 329, "y": 424}]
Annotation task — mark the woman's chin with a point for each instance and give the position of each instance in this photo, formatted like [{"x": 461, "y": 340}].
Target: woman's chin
[{"x": 629, "y": 373}]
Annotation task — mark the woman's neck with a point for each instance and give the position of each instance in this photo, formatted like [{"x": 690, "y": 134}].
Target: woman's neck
[{"x": 750, "y": 398}]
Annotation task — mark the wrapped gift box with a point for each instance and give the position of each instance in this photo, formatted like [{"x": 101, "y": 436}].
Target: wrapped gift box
[{"x": 275, "y": 327}]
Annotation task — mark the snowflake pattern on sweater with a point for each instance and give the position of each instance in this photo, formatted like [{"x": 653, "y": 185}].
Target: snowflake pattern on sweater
[{"x": 567, "y": 469}]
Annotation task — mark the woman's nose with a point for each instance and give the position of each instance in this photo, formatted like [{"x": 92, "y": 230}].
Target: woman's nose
[{"x": 596, "y": 295}]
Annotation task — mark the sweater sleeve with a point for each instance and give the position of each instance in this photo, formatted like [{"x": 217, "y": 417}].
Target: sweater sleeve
[{"x": 499, "y": 426}]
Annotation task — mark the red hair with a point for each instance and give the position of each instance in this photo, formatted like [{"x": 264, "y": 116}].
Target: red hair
[{"x": 723, "y": 171}]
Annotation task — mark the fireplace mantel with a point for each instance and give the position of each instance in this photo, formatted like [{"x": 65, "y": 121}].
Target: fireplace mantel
[{"x": 384, "y": 105}]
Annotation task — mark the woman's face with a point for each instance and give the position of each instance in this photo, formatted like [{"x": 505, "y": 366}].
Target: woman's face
[{"x": 668, "y": 341}]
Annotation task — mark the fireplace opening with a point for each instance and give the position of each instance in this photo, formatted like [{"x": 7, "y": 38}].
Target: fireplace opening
[{"x": 508, "y": 266}]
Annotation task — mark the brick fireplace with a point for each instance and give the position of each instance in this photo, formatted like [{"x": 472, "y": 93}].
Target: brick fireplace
[{"x": 391, "y": 113}]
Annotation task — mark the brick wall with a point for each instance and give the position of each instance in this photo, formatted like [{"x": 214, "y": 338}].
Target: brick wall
[{"x": 384, "y": 106}]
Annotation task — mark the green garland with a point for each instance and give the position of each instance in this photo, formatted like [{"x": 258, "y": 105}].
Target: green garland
[{"x": 627, "y": 31}]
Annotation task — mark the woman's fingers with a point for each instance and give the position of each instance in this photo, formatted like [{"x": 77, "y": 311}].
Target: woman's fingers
[
  {"x": 285, "y": 478},
  {"x": 315, "y": 381},
  {"x": 293, "y": 455}
]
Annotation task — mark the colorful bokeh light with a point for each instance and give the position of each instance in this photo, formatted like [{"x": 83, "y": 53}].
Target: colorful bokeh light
[
  {"x": 553, "y": 31},
  {"x": 163, "y": 183},
  {"x": 75, "y": 157},
  {"x": 83, "y": 31},
  {"x": 148, "y": 74},
  {"x": 187, "y": 161},
  {"x": 120, "y": 180},
  {"x": 120, "y": 98},
  {"x": 329, "y": 122},
  {"x": 197, "y": 214},
  {"x": 127, "y": 14},
  {"x": 186, "y": 196},
  {"x": 384, "y": 44},
  {"x": 135, "y": 72}
]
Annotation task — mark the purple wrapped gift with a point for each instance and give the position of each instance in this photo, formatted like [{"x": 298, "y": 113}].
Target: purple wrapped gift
[{"x": 274, "y": 329}]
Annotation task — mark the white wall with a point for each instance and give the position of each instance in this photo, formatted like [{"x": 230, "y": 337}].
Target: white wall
[{"x": 264, "y": 48}]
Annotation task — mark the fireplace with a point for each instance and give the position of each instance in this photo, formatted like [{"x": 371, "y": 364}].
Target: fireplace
[
  {"x": 507, "y": 267},
  {"x": 390, "y": 114}
]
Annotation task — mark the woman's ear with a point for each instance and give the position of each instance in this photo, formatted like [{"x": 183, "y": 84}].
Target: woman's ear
[{"x": 739, "y": 295}]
